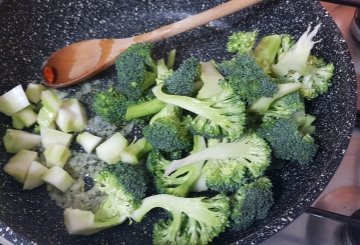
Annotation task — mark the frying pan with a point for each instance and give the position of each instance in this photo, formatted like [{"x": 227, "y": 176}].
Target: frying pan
[{"x": 31, "y": 30}]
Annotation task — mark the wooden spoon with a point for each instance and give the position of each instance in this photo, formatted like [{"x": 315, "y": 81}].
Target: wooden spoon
[{"x": 81, "y": 60}]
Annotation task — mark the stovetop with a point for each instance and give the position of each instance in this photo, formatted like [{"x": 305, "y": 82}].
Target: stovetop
[{"x": 342, "y": 195}]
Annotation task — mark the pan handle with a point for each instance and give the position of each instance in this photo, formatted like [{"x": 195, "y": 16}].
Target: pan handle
[
  {"x": 333, "y": 216},
  {"x": 352, "y": 3}
]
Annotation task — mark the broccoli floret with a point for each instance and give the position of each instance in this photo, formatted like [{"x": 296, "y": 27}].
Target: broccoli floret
[
  {"x": 182, "y": 81},
  {"x": 125, "y": 186},
  {"x": 285, "y": 107},
  {"x": 222, "y": 115},
  {"x": 295, "y": 58},
  {"x": 287, "y": 142},
  {"x": 304, "y": 122},
  {"x": 230, "y": 164},
  {"x": 115, "y": 108},
  {"x": 180, "y": 182},
  {"x": 265, "y": 52},
  {"x": 263, "y": 104},
  {"x": 287, "y": 42},
  {"x": 315, "y": 80},
  {"x": 136, "y": 70},
  {"x": 193, "y": 220},
  {"x": 167, "y": 132},
  {"x": 251, "y": 202},
  {"x": 126, "y": 181},
  {"x": 241, "y": 42},
  {"x": 246, "y": 78}
]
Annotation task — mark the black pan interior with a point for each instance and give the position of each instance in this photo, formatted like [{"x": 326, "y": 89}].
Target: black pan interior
[{"x": 31, "y": 30}]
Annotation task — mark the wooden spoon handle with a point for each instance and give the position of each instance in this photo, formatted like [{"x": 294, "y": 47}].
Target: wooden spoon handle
[{"x": 196, "y": 20}]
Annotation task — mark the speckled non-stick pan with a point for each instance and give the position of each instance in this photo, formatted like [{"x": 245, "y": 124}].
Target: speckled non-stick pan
[{"x": 31, "y": 30}]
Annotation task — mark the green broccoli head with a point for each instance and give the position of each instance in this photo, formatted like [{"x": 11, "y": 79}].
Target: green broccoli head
[
  {"x": 223, "y": 115},
  {"x": 285, "y": 107},
  {"x": 230, "y": 164},
  {"x": 110, "y": 105},
  {"x": 287, "y": 142},
  {"x": 224, "y": 175},
  {"x": 168, "y": 134},
  {"x": 182, "y": 81},
  {"x": 136, "y": 70},
  {"x": 178, "y": 183},
  {"x": 246, "y": 78},
  {"x": 125, "y": 181},
  {"x": 251, "y": 202},
  {"x": 193, "y": 220},
  {"x": 317, "y": 79},
  {"x": 241, "y": 42}
]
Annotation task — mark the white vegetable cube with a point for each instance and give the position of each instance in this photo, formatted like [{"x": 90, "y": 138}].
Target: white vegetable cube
[
  {"x": 57, "y": 155},
  {"x": 58, "y": 178},
  {"x": 88, "y": 141},
  {"x": 46, "y": 117},
  {"x": 16, "y": 140},
  {"x": 24, "y": 118},
  {"x": 110, "y": 150},
  {"x": 71, "y": 116},
  {"x": 33, "y": 92},
  {"x": 34, "y": 176},
  {"x": 18, "y": 165},
  {"x": 51, "y": 101},
  {"x": 52, "y": 136},
  {"x": 13, "y": 101}
]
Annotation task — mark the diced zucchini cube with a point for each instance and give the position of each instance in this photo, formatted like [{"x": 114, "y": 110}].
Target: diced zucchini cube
[
  {"x": 52, "y": 136},
  {"x": 24, "y": 118},
  {"x": 88, "y": 141},
  {"x": 71, "y": 116},
  {"x": 110, "y": 150},
  {"x": 34, "y": 175},
  {"x": 57, "y": 155},
  {"x": 18, "y": 165},
  {"x": 16, "y": 140},
  {"x": 46, "y": 117},
  {"x": 33, "y": 92},
  {"x": 58, "y": 178},
  {"x": 51, "y": 101},
  {"x": 13, "y": 101}
]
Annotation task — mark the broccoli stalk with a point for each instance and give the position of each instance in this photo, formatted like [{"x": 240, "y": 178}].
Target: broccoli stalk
[
  {"x": 133, "y": 152},
  {"x": 219, "y": 116},
  {"x": 193, "y": 220},
  {"x": 262, "y": 104},
  {"x": 295, "y": 58},
  {"x": 251, "y": 202},
  {"x": 210, "y": 78},
  {"x": 265, "y": 52},
  {"x": 163, "y": 72},
  {"x": 116, "y": 108}
]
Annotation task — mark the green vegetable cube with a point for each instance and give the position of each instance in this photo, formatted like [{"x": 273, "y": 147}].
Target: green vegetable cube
[
  {"x": 33, "y": 92},
  {"x": 18, "y": 165},
  {"x": 110, "y": 150},
  {"x": 34, "y": 176},
  {"x": 16, "y": 140},
  {"x": 58, "y": 178},
  {"x": 13, "y": 101},
  {"x": 57, "y": 155}
]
